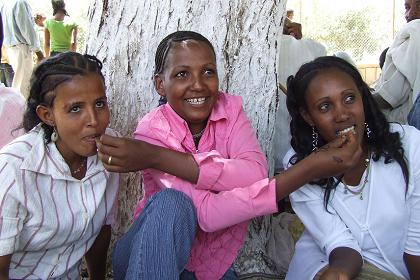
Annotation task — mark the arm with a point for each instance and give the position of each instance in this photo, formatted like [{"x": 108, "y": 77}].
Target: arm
[
  {"x": 97, "y": 254},
  {"x": 412, "y": 245},
  {"x": 412, "y": 263},
  {"x": 4, "y": 266},
  {"x": 344, "y": 264},
  {"x": 392, "y": 88},
  {"x": 46, "y": 42},
  {"x": 73, "y": 47},
  {"x": 26, "y": 25}
]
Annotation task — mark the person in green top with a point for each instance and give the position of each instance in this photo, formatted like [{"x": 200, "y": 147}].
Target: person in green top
[{"x": 60, "y": 31}]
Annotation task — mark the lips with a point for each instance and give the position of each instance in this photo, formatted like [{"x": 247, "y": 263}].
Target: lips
[
  {"x": 91, "y": 138},
  {"x": 345, "y": 130}
]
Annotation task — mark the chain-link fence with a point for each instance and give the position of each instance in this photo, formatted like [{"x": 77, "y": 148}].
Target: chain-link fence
[{"x": 360, "y": 28}]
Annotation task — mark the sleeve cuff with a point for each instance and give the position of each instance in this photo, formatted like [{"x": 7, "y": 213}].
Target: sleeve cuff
[
  {"x": 210, "y": 169},
  {"x": 263, "y": 196}
]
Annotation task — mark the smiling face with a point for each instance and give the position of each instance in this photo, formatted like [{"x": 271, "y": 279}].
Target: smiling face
[
  {"x": 334, "y": 104},
  {"x": 189, "y": 82},
  {"x": 412, "y": 9},
  {"x": 80, "y": 114}
]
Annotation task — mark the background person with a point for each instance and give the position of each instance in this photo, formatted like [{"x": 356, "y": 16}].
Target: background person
[
  {"x": 399, "y": 83},
  {"x": 60, "y": 31},
  {"x": 21, "y": 40}
]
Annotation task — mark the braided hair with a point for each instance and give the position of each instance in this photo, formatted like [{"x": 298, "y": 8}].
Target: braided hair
[
  {"x": 47, "y": 76},
  {"x": 168, "y": 42},
  {"x": 381, "y": 142}
]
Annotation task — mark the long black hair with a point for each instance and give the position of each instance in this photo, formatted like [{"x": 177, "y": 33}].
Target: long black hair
[
  {"x": 381, "y": 142},
  {"x": 168, "y": 42},
  {"x": 47, "y": 76}
]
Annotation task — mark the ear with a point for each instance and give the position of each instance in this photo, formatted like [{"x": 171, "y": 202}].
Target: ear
[
  {"x": 159, "y": 85},
  {"x": 45, "y": 114},
  {"x": 305, "y": 115}
]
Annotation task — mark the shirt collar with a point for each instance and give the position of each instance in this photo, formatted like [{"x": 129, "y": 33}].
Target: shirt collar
[{"x": 180, "y": 127}]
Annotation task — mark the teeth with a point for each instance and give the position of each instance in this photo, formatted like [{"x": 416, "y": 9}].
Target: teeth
[
  {"x": 196, "y": 101},
  {"x": 344, "y": 131}
]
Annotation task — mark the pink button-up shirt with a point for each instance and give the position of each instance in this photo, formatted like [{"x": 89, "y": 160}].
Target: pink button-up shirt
[{"x": 232, "y": 186}]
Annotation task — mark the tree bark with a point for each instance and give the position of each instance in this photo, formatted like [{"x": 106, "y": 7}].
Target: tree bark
[{"x": 124, "y": 34}]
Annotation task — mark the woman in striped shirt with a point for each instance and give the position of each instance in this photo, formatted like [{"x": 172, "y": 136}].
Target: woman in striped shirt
[{"x": 56, "y": 199}]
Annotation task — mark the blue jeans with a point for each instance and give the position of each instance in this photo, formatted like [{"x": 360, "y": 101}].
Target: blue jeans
[
  {"x": 158, "y": 244},
  {"x": 6, "y": 74},
  {"x": 414, "y": 115}
]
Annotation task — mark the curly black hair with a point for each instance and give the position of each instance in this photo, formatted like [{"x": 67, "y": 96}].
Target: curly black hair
[
  {"x": 382, "y": 142},
  {"x": 47, "y": 76},
  {"x": 168, "y": 42}
]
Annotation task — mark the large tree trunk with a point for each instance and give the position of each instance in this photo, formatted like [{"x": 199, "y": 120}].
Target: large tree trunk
[{"x": 125, "y": 34}]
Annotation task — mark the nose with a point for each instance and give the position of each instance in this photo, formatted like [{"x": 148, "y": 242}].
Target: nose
[
  {"x": 92, "y": 118},
  {"x": 197, "y": 83},
  {"x": 341, "y": 114}
]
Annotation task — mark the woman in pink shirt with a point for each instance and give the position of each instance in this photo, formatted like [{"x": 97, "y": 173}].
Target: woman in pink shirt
[{"x": 204, "y": 173}]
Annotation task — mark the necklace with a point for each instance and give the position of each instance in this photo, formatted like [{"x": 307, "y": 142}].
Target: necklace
[
  {"x": 199, "y": 134},
  {"x": 80, "y": 167},
  {"x": 366, "y": 179}
]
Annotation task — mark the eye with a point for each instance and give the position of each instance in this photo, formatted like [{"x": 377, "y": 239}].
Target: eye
[
  {"x": 323, "y": 107},
  {"x": 101, "y": 104},
  {"x": 209, "y": 72},
  {"x": 75, "y": 109},
  {"x": 349, "y": 99},
  {"x": 181, "y": 74}
]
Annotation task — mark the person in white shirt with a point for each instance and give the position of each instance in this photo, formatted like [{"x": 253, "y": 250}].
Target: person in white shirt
[
  {"x": 57, "y": 201},
  {"x": 399, "y": 84},
  {"x": 371, "y": 213},
  {"x": 21, "y": 40}
]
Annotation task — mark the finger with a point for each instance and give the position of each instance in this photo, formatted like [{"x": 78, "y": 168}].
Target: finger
[
  {"x": 109, "y": 140},
  {"x": 109, "y": 159},
  {"x": 107, "y": 149},
  {"x": 337, "y": 142}
]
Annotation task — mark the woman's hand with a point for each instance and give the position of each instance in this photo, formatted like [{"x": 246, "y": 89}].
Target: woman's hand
[
  {"x": 131, "y": 155},
  {"x": 123, "y": 154},
  {"x": 336, "y": 157},
  {"x": 330, "y": 160}
]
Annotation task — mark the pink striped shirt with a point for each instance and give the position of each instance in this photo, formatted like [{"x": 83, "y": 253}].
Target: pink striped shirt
[
  {"x": 48, "y": 219},
  {"x": 226, "y": 195}
]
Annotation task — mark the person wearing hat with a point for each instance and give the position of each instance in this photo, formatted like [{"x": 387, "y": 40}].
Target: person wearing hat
[{"x": 60, "y": 31}]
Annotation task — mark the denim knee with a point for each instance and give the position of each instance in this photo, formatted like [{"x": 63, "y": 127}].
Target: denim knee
[{"x": 175, "y": 204}]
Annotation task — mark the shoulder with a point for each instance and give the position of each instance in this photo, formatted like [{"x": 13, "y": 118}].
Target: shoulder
[
  {"x": 155, "y": 120},
  {"x": 16, "y": 152},
  {"x": 287, "y": 158},
  {"x": 227, "y": 106},
  {"x": 408, "y": 134}
]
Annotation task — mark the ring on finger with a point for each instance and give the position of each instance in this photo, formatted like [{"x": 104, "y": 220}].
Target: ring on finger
[{"x": 110, "y": 160}]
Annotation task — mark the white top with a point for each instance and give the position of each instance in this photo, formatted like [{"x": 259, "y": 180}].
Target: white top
[
  {"x": 399, "y": 82},
  {"x": 381, "y": 227},
  {"x": 48, "y": 219}
]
